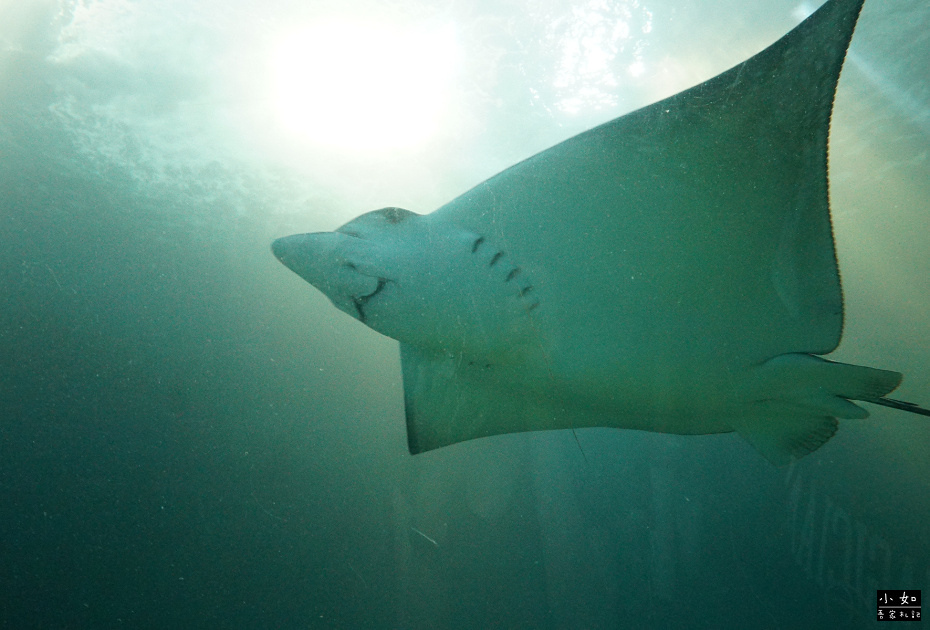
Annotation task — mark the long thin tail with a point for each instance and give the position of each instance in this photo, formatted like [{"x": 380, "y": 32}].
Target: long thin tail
[{"x": 898, "y": 404}]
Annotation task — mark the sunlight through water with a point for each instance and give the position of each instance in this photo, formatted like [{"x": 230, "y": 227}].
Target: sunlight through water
[{"x": 354, "y": 86}]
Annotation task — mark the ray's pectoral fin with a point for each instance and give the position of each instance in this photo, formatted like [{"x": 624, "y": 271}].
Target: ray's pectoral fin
[
  {"x": 449, "y": 398},
  {"x": 438, "y": 385},
  {"x": 799, "y": 399},
  {"x": 444, "y": 386}
]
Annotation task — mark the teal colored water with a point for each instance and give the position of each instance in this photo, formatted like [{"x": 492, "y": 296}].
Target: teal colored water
[{"x": 192, "y": 437}]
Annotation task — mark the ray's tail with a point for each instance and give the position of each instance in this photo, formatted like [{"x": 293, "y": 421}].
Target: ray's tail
[{"x": 898, "y": 404}]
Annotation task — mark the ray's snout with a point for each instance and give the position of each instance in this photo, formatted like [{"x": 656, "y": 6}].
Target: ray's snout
[
  {"x": 290, "y": 249},
  {"x": 279, "y": 247},
  {"x": 310, "y": 256},
  {"x": 327, "y": 261},
  {"x": 306, "y": 255}
]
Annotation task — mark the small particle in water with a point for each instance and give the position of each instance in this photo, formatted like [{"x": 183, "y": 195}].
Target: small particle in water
[{"x": 425, "y": 536}]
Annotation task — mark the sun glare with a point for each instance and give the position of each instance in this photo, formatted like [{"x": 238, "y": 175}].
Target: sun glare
[{"x": 364, "y": 86}]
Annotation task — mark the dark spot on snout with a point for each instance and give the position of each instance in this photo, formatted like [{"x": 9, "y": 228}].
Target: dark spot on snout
[{"x": 395, "y": 215}]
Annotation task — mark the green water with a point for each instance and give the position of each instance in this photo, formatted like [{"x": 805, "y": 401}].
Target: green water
[{"x": 192, "y": 437}]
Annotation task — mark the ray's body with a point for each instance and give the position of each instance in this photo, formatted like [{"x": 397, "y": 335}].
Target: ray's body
[{"x": 672, "y": 270}]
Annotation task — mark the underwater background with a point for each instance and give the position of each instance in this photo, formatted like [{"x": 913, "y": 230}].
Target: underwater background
[{"x": 193, "y": 437}]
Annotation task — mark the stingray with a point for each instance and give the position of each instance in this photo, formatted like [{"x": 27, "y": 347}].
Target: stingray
[{"x": 672, "y": 270}]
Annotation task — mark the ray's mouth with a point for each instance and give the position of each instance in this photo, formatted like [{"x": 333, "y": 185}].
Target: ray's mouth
[{"x": 362, "y": 300}]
